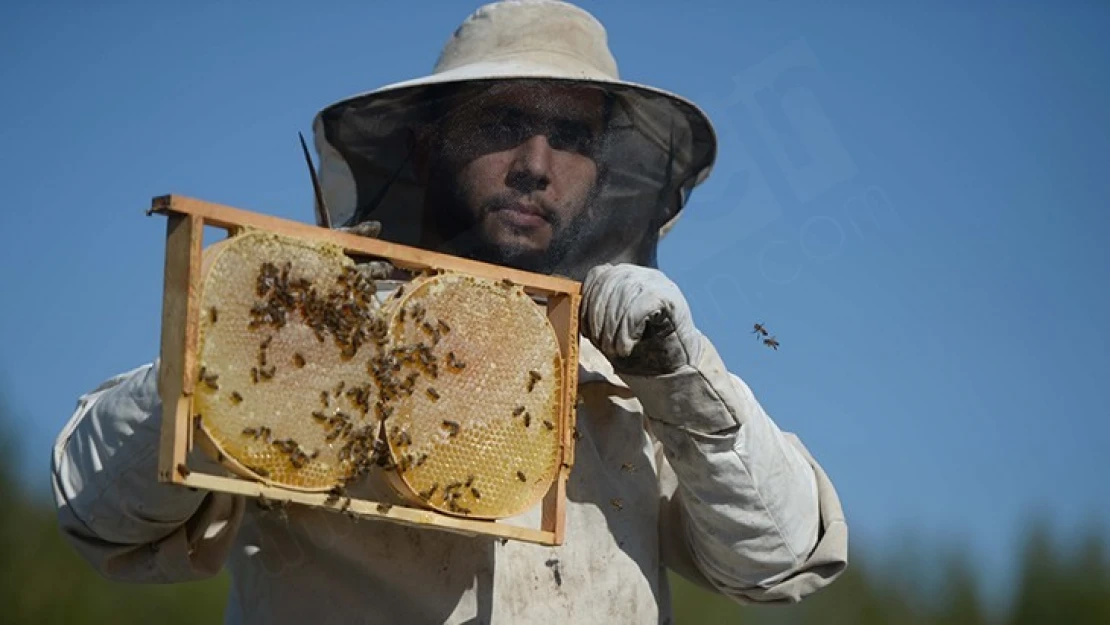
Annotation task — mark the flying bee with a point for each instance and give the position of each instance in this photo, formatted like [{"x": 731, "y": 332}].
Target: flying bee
[
  {"x": 236, "y": 398},
  {"x": 433, "y": 394},
  {"x": 760, "y": 330},
  {"x": 628, "y": 467},
  {"x": 772, "y": 343},
  {"x": 533, "y": 377},
  {"x": 452, "y": 428},
  {"x": 298, "y": 360},
  {"x": 617, "y": 503},
  {"x": 520, "y": 476}
]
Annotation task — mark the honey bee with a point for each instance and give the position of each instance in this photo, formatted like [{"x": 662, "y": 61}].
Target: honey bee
[
  {"x": 549, "y": 425},
  {"x": 384, "y": 508},
  {"x": 298, "y": 360},
  {"x": 518, "y": 410},
  {"x": 267, "y": 374},
  {"x": 533, "y": 377},
  {"x": 433, "y": 394},
  {"x": 421, "y": 460},
  {"x": 319, "y": 416},
  {"x": 346, "y": 504},
  {"x": 446, "y": 329},
  {"x": 254, "y": 375},
  {"x": 213, "y": 314},
  {"x": 452, "y": 427},
  {"x": 265, "y": 344},
  {"x": 261, "y": 358},
  {"x": 183, "y": 470},
  {"x": 772, "y": 343},
  {"x": 427, "y": 494},
  {"x": 250, "y": 432},
  {"x": 527, "y": 419},
  {"x": 236, "y": 398},
  {"x": 507, "y": 283},
  {"x": 196, "y": 420},
  {"x": 324, "y": 398},
  {"x": 474, "y": 491},
  {"x": 469, "y": 480},
  {"x": 520, "y": 476},
  {"x": 339, "y": 388}
]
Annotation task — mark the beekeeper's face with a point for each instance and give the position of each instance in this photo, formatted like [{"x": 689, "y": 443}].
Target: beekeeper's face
[{"x": 516, "y": 174}]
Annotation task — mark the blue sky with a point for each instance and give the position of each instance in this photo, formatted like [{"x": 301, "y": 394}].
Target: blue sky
[{"x": 912, "y": 197}]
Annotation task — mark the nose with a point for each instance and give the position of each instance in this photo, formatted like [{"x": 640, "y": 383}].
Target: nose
[{"x": 531, "y": 165}]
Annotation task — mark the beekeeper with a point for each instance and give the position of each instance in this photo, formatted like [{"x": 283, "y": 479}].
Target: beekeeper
[{"x": 523, "y": 148}]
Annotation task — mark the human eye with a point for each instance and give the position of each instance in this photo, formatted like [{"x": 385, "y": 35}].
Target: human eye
[{"x": 572, "y": 136}]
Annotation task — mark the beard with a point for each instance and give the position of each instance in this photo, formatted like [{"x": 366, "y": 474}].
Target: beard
[{"x": 460, "y": 229}]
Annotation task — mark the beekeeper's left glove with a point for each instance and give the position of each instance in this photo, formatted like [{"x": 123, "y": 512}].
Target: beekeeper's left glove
[{"x": 638, "y": 318}]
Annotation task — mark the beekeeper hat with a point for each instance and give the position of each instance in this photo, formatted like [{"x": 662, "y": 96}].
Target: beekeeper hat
[{"x": 364, "y": 141}]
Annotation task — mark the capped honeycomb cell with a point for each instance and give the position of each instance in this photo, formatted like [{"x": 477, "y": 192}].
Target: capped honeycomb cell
[
  {"x": 475, "y": 377},
  {"x": 286, "y": 329}
]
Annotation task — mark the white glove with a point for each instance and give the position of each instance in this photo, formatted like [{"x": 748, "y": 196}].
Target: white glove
[
  {"x": 374, "y": 269},
  {"x": 638, "y": 319}
]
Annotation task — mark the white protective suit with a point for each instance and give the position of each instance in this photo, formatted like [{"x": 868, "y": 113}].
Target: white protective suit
[{"x": 651, "y": 488}]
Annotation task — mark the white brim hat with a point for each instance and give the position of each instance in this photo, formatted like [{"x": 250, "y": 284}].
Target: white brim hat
[{"x": 546, "y": 40}]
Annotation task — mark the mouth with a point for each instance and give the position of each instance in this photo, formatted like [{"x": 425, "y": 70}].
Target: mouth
[{"x": 523, "y": 214}]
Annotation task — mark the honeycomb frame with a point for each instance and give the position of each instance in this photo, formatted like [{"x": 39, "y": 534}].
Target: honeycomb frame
[{"x": 186, "y": 222}]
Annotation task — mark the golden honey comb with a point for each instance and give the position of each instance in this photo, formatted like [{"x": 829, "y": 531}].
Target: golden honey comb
[
  {"x": 477, "y": 435},
  {"x": 286, "y": 327}
]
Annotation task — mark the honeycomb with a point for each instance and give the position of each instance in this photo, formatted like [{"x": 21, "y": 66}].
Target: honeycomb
[
  {"x": 301, "y": 372},
  {"x": 476, "y": 431},
  {"x": 285, "y": 330}
]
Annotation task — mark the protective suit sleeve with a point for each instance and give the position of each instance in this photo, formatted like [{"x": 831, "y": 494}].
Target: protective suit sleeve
[
  {"x": 746, "y": 510},
  {"x": 110, "y": 504}
]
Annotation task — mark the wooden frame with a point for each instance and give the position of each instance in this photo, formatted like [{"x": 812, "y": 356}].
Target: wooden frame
[{"x": 187, "y": 218}]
